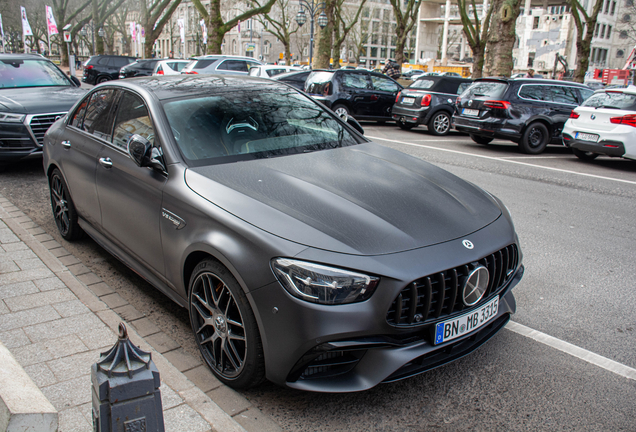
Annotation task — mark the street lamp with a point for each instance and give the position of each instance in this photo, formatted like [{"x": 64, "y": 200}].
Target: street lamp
[{"x": 301, "y": 18}]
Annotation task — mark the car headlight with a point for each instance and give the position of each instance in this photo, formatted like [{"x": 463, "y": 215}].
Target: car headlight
[
  {"x": 321, "y": 284},
  {"x": 11, "y": 118}
]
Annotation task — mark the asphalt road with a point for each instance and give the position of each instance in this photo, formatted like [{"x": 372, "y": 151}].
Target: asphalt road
[{"x": 578, "y": 234}]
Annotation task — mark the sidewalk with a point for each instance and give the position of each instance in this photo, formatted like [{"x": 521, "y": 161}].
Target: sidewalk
[{"x": 56, "y": 328}]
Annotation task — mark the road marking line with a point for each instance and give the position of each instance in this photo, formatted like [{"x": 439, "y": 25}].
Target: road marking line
[
  {"x": 538, "y": 157},
  {"x": 505, "y": 160},
  {"x": 573, "y": 350}
]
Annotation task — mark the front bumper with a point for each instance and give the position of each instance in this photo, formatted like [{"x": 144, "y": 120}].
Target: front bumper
[
  {"x": 491, "y": 127},
  {"x": 24, "y": 140},
  {"x": 353, "y": 347}
]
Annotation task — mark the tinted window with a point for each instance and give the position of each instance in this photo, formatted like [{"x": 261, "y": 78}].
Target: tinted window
[
  {"x": 273, "y": 72},
  {"x": 103, "y": 61},
  {"x": 533, "y": 92},
  {"x": 462, "y": 87},
  {"x": 148, "y": 65},
  {"x": 78, "y": 116},
  {"x": 562, "y": 94},
  {"x": 448, "y": 86},
  {"x": 355, "y": 80},
  {"x": 132, "y": 118},
  {"x": 383, "y": 84},
  {"x": 585, "y": 93},
  {"x": 233, "y": 65},
  {"x": 614, "y": 100},
  {"x": 423, "y": 84},
  {"x": 202, "y": 64},
  {"x": 486, "y": 89},
  {"x": 119, "y": 62},
  {"x": 98, "y": 119},
  {"x": 252, "y": 124}
]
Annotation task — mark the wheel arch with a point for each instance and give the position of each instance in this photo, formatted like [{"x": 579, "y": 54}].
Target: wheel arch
[{"x": 545, "y": 120}]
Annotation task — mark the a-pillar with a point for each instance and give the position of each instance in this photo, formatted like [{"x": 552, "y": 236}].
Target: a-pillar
[{"x": 445, "y": 30}]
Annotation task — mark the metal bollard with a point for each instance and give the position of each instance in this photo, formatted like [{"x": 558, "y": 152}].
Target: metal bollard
[{"x": 126, "y": 395}]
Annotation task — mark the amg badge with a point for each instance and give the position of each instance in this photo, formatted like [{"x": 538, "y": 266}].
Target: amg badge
[{"x": 176, "y": 220}]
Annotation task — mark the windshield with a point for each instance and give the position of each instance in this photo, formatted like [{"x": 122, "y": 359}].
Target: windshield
[
  {"x": 616, "y": 100},
  {"x": 30, "y": 73},
  {"x": 252, "y": 125},
  {"x": 488, "y": 89}
]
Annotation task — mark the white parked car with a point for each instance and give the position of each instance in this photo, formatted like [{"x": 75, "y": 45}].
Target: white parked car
[
  {"x": 268, "y": 71},
  {"x": 170, "y": 67},
  {"x": 605, "y": 124}
]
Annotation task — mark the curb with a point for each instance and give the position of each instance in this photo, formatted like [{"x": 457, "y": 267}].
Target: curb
[{"x": 23, "y": 406}]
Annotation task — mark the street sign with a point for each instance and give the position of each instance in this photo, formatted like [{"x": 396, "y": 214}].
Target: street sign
[
  {"x": 281, "y": 55},
  {"x": 250, "y": 47},
  {"x": 67, "y": 36}
]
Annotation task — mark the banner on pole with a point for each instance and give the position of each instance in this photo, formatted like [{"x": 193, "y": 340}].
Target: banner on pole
[
  {"x": 26, "y": 28},
  {"x": 51, "y": 25},
  {"x": 133, "y": 31},
  {"x": 1, "y": 29},
  {"x": 204, "y": 32},
  {"x": 181, "y": 25}
]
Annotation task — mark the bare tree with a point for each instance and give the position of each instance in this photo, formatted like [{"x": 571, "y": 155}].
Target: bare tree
[
  {"x": 585, "y": 25},
  {"x": 342, "y": 27},
  {"x": 358, "y": 38},
  {"x": 153, "y": 17},
  {"x": 476, "y": 32},
  {"x": 280, "y": 22},
  {"x": 406, "y": 19},
  {"x": 119, "y": 19},
  {"x": 217, "y": 28},
  {"x": 67, "y": 12}
]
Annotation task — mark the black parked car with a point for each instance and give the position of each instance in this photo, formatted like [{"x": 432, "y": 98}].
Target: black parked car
[
  {"x": 34, "y": 93},
  {"x": 101, "y": 68},
  {"x": 361, "y": 94},
  {"x": 138, "y": 68},
  {"x": 430, "y": 101},
  {"x": 305, "y": 253},
  {"x": 295, "y": 79},
  {"x": 526, "y": 111}
]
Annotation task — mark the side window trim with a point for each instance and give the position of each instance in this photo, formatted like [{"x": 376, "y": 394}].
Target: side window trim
[{"x": 156, "y": 143}]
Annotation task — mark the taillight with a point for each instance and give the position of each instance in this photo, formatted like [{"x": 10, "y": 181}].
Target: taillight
[
  {"x": 426, "y": 100},
  {"x": 497, "y": 104},
  {"x": 458, "y": 101},
  {"x": 89, "y": 67},
  {"x": 397, "y": 98},
  {"x": 629, "y": 120},
  {"x": 574, "y": 115},
  {"x": 191, "y": 73},
  {"x": 160, "y": 70}
]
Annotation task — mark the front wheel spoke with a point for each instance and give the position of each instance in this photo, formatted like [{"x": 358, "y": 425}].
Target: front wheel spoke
[
  {"x": 202, "y": 313},
  {"x": 212, "y": 338},
  {"x": 233, "y": 336},
  {"x": 234, "y": 323},
  {"x": 229, "y": 356},
  {"x": 207, "y": 289},
  {"x": 204, "y": 304}
]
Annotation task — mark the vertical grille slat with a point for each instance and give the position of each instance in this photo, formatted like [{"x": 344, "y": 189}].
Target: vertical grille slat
[
  {"x": 433, "y": 296},
  {"x": 39, "y": 124}
]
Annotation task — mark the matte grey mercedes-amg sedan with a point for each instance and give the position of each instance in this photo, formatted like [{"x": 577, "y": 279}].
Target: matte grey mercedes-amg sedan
[{"x": 305, "y": 253}]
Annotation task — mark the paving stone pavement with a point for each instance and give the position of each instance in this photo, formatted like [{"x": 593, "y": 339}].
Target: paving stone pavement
[{"x": 56, "y": 317}]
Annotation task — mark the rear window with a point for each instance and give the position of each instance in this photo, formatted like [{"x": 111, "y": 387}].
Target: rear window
[
  {"x": 486, "y": 89},
  {"x": 317, "y": 81},
  {"x": 423, "y": 84},
  {"x": 616, "y": 100},
  {"x": 274, "y": 72}
]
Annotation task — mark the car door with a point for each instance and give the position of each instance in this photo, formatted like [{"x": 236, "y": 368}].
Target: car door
[
  {"x": 564, "y": 99},
  {"x": 385, "y": 91},
  {"x": 83, "y": 139},
  {"x": 357, "y": 88},
  {"x": 130, "y": 196}
]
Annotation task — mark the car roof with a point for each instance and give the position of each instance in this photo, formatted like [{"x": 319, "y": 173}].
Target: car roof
[
  {"x": 442, "y": 78},
  {"x": 223, "y": 56},
  {"x": 183, "y": 86},
  {"x": 543, "y": 81},
  {"x": 23, "y": 56},
  {"x": 629, "y": 90}
]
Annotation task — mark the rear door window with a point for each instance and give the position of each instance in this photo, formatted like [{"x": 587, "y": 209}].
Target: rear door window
[
  {"x": 202, "y": 64},
  {"x": 562, "y": 95},
  {"x": 383, "y": 84},
  {"x": 355, "y": 80},
  {"x": 533, "y": 92},
  {"x": 119, "y": 62},
  {"x": 99, "y": 120},
  {"x": 233, "y": 65}
]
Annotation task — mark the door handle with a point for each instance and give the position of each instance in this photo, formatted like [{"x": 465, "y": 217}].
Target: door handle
[
  {"x": 106, "y": 162},
  {"x": 66, "y": 144}
]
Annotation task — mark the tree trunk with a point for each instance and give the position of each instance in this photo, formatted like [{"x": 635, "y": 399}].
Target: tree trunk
[
  {"x": 399, "y": 49},
  {"x": 583, "y": 47},
  {"x": 501, "y": 39},
  {"x": 478, "y": 62},
  {"x": 288, "y": 57},
  {"x": 325, "y": 44},
  {"x": 216, "y": 28}
]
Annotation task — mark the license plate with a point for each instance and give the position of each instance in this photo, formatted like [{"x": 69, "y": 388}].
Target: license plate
[
  {"x": 470, "y": 112},
  {"x": 586, "y": 137},
  {"x": 408, "y": 100},
  {"x": 452, "y": 329}
]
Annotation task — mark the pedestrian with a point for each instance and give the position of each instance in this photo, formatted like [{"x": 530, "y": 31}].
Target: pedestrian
[
  {"x": 78, "y": 62},
  {"x": 391, "y": 69},
  {"x": 530, "y": 73}
]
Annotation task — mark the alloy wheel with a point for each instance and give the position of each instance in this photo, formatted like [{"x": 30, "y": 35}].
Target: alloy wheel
[
  {"x": 441, "y": 124},
  {"x": 219, "y": 325},
  {"x": 60, "y": 205},
  {"x": 342, "y": 113}
]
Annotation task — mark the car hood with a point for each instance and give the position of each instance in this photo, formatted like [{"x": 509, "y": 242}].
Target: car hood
[
  {"x": 38, "y": 100},
  {"x": 364, "y": 199}
]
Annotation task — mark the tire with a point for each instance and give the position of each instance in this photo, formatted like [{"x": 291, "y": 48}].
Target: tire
[
  {"x": 583, "y": 155},
  {"x": 481, "y": 139},
  {"x": 535, "y": 139},
  {"x": 63, "y": 208},
  {"x": 224, "y": 326},
  {"x": 405, "y": 125},
  {"x": 440, "y": 123},
  {"x": 341, "y": 111},
  {"x": 102, "y": 79}
]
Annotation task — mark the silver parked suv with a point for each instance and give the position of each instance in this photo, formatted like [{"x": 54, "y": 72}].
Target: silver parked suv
[{"x": 221, "y": 64}]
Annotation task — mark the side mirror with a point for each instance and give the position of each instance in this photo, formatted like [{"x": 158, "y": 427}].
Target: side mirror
[
  {"x": 76, "y": 81},
  {"x": 354, "y": 124},
  {"x": 143, "y": 153}
]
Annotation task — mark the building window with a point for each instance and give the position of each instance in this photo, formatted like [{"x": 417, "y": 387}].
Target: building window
[
  {"x": 383, "y": 53},
  {"x": 375, "y": 27},
  {"x": 627, "y": 18},
  {"x": 376, "y": 13},
  {"x": 629, "y": 2},
  {"x": 623, "y": 34},
  {"x": 597, "y": 29},
  {"x": 609, "y": 31},
  {"x": 620, "y": 53},
  {"x": 234, "y": 47},
  {"x": 535, "y": 24},
  {"x": 603, "y": 31},
  {"x": 374, "y": 39},
  {"x": 374, "y": 52},
  {"x": 607, "y": 6},
  {"x": 531, "y": 59},
  {"x": 613, "y": 9}
]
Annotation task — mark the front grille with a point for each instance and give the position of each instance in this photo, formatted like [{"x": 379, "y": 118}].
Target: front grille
[
  {"x": 439, "y": 295},
  {"x": 39, "y": 124}
]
